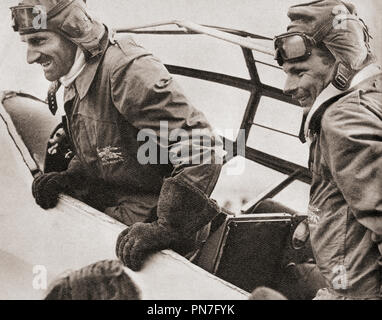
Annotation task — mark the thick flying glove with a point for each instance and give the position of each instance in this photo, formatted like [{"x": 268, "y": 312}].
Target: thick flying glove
[
  {"x": 47, "y": 187},
  {"x": 135, "y": 243},
  {"x": 182, "y": 211}
]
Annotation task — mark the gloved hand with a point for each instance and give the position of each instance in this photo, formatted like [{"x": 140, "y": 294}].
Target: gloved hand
[
  {"x": 182, "y": 211},
  {"x": 47, "y": 187},
  {"x": 135, "y": 243}
]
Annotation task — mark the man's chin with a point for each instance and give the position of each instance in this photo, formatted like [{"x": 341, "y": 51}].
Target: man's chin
[{"x": 50, "y": 77}]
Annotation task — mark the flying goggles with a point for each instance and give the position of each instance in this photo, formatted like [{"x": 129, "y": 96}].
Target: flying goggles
[
  {"x": 297, "y": 46},
  {"x": 23, "y": 18},
  {"x": 30, "y": 18},
  {"x": 292, "y": 47}
]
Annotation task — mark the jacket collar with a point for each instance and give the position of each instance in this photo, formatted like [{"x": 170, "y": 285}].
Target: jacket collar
[
  {"x": 77, "y": 67},
  {"x": 329, "y": 95},
  {"x": 86, "y": 77}
]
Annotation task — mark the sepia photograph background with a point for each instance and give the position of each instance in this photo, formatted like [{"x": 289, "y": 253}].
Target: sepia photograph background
[{"x": 224, "y": 107}]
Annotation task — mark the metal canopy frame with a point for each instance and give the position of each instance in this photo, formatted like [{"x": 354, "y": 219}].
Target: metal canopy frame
[{"x": 257, "y": 89}]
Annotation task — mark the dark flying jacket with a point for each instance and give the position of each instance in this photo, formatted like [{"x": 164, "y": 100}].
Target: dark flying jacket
[
  {"x": 120, "y": 93},
  {"x": 345, "y": 212}
]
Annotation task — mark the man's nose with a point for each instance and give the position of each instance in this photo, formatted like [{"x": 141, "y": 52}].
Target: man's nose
[
  {"x": 291, "y": 85},
  {"x": 32, "y": 55}
]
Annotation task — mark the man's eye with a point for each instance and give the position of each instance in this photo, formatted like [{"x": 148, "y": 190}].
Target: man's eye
[
  {"x": 301, "y": 73},
  {"x": 37, "y": 42}
]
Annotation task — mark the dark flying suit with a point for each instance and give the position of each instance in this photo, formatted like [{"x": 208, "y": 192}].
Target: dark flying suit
[
  {"x": 345, "y": 216},
  {"x": 120, "y": 92}
]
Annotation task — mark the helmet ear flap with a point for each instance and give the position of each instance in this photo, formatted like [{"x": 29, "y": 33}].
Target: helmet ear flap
[
  {"x": 80, "y": 28},
  {"x": 343, "y": 77},
  {"x": 77, "y": 24}
]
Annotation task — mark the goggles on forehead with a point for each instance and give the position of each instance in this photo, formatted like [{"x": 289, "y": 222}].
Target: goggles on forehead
[
  {"x": 22, "y": 18},
  {"x": 27, "y": 19},
  {"x": 292, "y": 47},
  {"x": 33, "y": 18}
]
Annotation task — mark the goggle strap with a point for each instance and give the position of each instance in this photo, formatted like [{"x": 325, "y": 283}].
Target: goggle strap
[
  {"x": 367, "y": 35},
  {"x": 324, "y": 30}
]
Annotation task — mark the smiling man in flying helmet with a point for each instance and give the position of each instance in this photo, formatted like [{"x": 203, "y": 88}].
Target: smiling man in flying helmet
[
  {"x": 331, "y": 71},
  {"x": 113, "y": 90},
  {"x": 79, "y": 35}
]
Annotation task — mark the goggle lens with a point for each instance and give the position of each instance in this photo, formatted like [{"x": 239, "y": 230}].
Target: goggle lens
[
  {"x": 23, "y": 18},
  {"x": 291, "y": 47}
]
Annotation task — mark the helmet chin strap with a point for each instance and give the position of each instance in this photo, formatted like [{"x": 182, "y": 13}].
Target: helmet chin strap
[{"x": 343, "y": 76}]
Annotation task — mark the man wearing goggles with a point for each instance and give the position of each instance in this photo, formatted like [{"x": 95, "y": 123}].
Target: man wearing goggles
[
  {"x": 114, "y": 90},
  {"x": 297, "y": 46},
  {"x": 331, "y": 72}
]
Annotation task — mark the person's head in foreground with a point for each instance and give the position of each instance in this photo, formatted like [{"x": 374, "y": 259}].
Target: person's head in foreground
[
  {"x": 57, "y": 33},
  {"x": 326, "y": 43},
  {"x": 104, "y": 280}
]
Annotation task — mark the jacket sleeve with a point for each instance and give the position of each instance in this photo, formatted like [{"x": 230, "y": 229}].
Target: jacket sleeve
[
  {"x": 75, "y": 166},
  {"x": 76, "y": 173},
  {"x": 148, "y": 97},
  {"x": 353, "y": 151}
]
